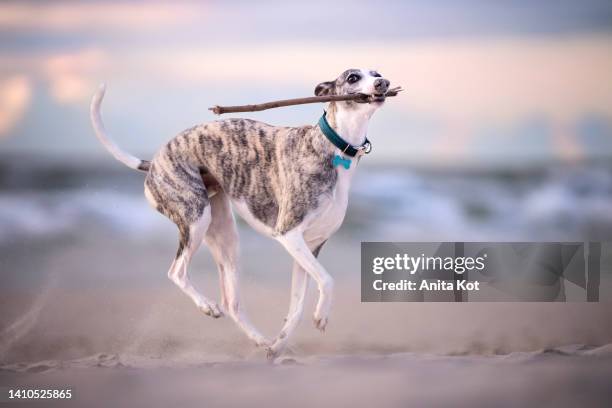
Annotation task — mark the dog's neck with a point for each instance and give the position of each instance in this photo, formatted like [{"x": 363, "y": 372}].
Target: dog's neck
[{"x": 351, "y": 125}]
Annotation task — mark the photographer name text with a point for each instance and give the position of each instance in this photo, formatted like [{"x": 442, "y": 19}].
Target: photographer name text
[{"x": 421, "y": 265}]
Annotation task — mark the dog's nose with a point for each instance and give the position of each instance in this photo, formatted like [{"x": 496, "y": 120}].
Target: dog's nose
[{"x": 381, "y": 85}]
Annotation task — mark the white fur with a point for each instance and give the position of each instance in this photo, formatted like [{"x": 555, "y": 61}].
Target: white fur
[
  {"x": 96, "y": 120},
  {"x": 243, "y": 210},
  {"x": 178, "y": 269},
  {"x": 319, "y": 225},
  {"x": 222, "y": 240}
]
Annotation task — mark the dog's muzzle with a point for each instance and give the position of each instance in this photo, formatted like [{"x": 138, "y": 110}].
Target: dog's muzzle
[{"x": 381, "y": 86}]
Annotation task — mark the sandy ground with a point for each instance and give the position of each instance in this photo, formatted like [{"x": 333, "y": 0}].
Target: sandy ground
[
  {"x": 567, "y": 377},
  {"x": 97, "y": 314}
]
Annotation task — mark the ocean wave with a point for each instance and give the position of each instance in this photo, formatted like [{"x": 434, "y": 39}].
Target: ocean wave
[
  {"x": 568, "y": 205},
  {"x": 44, "y": 213},
  {"x": 556, "y": 205}
]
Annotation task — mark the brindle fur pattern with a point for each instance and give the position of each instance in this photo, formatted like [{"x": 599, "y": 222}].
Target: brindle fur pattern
[
  {"x": 280, "y": 179},
  {"x": 279, "y": 172}
]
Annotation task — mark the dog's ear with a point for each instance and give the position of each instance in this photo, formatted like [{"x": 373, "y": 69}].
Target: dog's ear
[{"x": 325, "y": 88}]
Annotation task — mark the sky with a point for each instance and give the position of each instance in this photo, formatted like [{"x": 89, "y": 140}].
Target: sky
[{"x": 486, "y": 83}]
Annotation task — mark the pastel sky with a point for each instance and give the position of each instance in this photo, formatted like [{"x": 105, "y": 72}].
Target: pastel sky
[{"x": 485, "y": 82}]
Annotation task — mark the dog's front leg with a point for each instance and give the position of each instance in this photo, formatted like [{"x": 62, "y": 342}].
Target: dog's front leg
[
  {"x": 294, "y": 243},
  {"x": 299, "y": 285}
]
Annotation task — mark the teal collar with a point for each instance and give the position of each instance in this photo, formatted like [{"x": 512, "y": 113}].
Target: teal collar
[{"x": 345, "y": 147}]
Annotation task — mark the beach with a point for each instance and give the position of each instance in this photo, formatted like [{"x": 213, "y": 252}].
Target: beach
[
  {"x": 547, "y": 378},
  {"x": 489, "y": 177},
  {"x": 86, "y": 304}
]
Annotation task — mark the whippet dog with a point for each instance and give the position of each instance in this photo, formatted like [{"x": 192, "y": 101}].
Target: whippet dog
[{"x": 288, "y": 183}]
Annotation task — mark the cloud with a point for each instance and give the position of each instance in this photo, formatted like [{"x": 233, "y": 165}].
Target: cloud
[
  {"x": 15, "y": 95},
  {"x": 460, "y": 79},
  {"x": 464, "y": 81},
  {"x": 71, "y": 75},
  {"x": 93, "y": 16}
]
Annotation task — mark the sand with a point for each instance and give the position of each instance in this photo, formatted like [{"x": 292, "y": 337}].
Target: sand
[
  {"x": 569, "y": 377},
  {"x": 97, "y": 314}
]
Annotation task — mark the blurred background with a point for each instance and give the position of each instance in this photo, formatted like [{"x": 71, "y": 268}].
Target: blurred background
[
  {"x": 504, "y": 130},
  {"x": 503, "y": 133}
]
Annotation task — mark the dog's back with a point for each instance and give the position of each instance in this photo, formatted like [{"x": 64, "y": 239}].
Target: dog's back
[{"x": 278, "y": 172}]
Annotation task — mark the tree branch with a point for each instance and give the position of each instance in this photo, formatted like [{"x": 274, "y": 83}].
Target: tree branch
[{"x": 362, "y": 98}]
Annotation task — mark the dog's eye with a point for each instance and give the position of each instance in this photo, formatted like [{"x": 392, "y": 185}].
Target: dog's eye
[
  {"x": 353, "y": 78},
  {"x": 375, "y": 74}
]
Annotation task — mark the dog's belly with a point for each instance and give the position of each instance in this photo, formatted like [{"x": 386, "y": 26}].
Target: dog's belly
[
  {"x": 318, "y": 226},
  {"x": 242, "y": 209}
]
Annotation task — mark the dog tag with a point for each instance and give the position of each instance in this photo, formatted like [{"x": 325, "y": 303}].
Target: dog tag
[{"x": 340, "y": 161}]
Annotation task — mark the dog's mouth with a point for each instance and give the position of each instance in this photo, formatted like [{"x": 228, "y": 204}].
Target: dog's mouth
[
  {"x": 377, "y": 97},
  {"x": 369, "y": 98},
  {"x": 374, "y": 98}
]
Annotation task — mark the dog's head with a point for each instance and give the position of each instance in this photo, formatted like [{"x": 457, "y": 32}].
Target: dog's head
[{"x": 354, "y": 81}]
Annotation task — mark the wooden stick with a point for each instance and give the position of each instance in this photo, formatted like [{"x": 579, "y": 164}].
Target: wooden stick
[{"x": 363, "y": 98}]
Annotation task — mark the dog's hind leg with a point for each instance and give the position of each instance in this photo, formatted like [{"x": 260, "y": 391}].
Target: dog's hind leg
[
  {"x": 178, "y": 192},
  {"x": 190, "y": 240},
  {"x": 222, "y": 240},
  {"x": 299, "y": 286}
]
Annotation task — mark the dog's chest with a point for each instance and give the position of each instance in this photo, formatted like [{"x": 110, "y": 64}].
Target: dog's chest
[
  {"x": 325, "y": 220},
  {"x": 320, "y": 222}
]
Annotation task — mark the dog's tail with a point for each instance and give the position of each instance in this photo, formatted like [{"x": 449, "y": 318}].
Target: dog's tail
[{"x": 96, "y": 120}]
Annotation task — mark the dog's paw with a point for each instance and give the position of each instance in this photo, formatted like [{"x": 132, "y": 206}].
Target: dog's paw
[
  {"x": 320, "y": 322},
  {"x": 213, "y": 310},
  {"x": 271, "y": 354},
  {"x": 279, "y": 348},
  {"x": 275, "y": 350},
  {"x": 262, "y": 342}
]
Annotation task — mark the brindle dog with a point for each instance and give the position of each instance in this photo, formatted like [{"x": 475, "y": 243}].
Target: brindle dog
[{"x": 281, "y": 180}]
